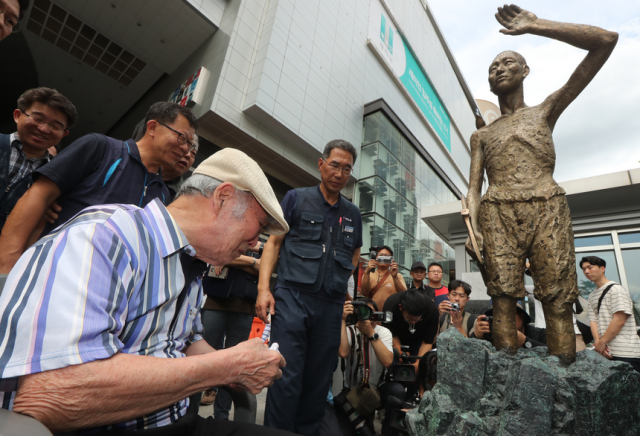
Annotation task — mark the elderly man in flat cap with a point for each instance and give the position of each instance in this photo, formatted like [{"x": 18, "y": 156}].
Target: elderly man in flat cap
[{"x": 100, "y": 320}]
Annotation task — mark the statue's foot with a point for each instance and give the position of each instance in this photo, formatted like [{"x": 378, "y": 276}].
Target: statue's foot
[
  {"x": 566, "y": 359},
  {"x": 512, "y": 350}
]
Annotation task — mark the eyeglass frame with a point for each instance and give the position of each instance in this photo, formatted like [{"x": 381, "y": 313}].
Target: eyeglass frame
[
  {"x": 14, "y": 28},
  {"x": 336, "y": 168},
  {"x": 192, "y": 146},
  {"x": 43, "y": 122},
  {"x": 435, "y": 272}
]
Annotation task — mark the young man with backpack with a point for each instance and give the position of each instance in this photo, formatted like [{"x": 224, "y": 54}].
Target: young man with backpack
[
  {"x": 612, "y": 315},
  {"x": 455, "y": 316}
]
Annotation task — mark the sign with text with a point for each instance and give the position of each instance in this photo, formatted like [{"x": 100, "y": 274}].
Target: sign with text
[
  {"x": 191, "y": 91},
  {"x": 394, "y": 50}
]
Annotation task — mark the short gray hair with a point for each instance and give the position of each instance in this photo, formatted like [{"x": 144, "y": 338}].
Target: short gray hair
[
  {"x": 200, "y": 184},
  {"x": 341, "y": 144}
]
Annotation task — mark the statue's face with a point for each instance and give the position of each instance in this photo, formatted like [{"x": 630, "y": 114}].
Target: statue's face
[{"x": 506, "y": 73}]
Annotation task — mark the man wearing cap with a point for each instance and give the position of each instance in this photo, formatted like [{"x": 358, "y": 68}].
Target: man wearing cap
[
  {"x": 528, "y": 335},
  {"x": 418, "y": 273},
  {"x": 316, "y": 260},
  {"x": 101, "y": 328}
]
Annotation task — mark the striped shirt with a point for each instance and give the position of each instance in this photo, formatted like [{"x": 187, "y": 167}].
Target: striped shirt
[
  {"x": 19, "y": 165},
  {"x": 626, "y": 343},
  {"x": 105, "y": 282}
]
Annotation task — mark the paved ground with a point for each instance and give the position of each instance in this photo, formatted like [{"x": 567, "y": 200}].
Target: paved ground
[{"x": 206, "y": 411}]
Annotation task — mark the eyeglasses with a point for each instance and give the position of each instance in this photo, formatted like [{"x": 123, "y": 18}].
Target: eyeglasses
[
  {"x": 435, "y": 271},
  {"x": 10, "y": 23},
  {"x": 337, "y": 168},
  {"x": 41, "y": 122},
  {"x": 181, "y": 138}
]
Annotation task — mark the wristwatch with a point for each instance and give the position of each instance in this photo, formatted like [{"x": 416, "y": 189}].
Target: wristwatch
[{"x": 375, "y": 337}]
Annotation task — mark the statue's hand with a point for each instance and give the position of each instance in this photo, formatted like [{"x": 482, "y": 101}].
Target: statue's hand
[{"x": 516, "y": 20}]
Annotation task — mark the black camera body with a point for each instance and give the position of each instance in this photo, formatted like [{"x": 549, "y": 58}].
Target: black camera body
[
  {"x": 402, "y": 373},
  {"x": 362, "y": 312}
]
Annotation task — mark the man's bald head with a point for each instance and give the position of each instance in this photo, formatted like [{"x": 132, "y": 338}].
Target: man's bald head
[{"x": 521, "y": 60}]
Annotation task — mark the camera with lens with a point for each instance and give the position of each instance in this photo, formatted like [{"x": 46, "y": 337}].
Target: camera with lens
[
  {"x": 455, "y": 307},
  {"x": 399, "y": 418},
  {"x": 359, "y": 422},
  {"x": 362, "y": 312}
]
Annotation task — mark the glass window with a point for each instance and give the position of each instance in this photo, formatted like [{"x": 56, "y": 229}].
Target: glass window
[
  {"x": 386, "y": 201},
  {"x": 365, "y": 195},
  {"x": 409, "y": 156},
  {"x": 368, "y": 230},
  {"x": 629, "y": 238},
  {"x": 395, "y": 142},
  {"x": 385, "y": 131},
  {"x": 372, "y": 127},
  {"x": 631, "y": 259},
  {"x": 368, "y": 160},
  {"x": 593, "y": 241},
  {"x": 586, "y": 286}
]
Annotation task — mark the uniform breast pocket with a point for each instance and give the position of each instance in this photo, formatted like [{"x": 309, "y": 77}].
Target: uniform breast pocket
[{"x": 310, "y": 226}]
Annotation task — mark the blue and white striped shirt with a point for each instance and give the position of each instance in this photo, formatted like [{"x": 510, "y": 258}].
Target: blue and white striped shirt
[{"x": 105, "y": 282}]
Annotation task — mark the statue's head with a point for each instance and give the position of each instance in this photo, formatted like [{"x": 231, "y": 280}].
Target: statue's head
[{"x": 507, "y": 72}]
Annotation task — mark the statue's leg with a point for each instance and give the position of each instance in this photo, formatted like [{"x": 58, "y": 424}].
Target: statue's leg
[
  {"x": 505, "y": 335},
  {"x": 504, "y": 255},
  {"x": 554, "y": 272},
  {"x": 561, "y": 338}
]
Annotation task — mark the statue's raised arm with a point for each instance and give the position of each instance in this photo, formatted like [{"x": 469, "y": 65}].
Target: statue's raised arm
[{"x": 598, "y": 42}]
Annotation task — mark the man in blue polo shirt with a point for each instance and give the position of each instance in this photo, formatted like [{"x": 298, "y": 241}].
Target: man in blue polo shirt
[
  {"x": 317, "y": 257},
  {"x": 96, "y": 169}
]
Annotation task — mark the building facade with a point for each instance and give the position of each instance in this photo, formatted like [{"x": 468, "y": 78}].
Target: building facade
[{"x": 277, "y": 79}]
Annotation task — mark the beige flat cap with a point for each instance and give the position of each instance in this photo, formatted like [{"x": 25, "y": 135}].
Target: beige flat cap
[{"x": 233, "y": 166}]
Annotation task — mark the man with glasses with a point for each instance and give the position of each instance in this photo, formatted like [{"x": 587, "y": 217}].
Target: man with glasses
[
  {"x": 11, "y": 11},
  {"x": 43, "y": 118},
  {"x": 436, "y": 290},
  {"x": 317, "y": 257},
  {"x": 96, "y": 169}
]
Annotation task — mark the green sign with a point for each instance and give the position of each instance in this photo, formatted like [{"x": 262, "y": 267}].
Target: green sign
[{"x": 422, "y": 93}]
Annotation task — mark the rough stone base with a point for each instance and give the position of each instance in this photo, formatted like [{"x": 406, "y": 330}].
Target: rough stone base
[{"x": 484, "y": 392}]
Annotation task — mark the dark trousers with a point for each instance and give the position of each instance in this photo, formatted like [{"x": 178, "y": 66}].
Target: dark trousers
[
  {"x": 225, "y": 330},
  {"x": 308, "y": 332},
  {"x": 193, "y": 424},
  {"x": 634, "y": 362}
]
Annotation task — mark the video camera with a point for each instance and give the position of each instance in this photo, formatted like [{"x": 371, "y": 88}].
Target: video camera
[
  {"x": 362, "y": 312},
  {"x": 403, "y": 372}
]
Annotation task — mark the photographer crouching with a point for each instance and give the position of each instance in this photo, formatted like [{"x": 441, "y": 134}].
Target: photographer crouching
[{"x": 367, "y": 348}]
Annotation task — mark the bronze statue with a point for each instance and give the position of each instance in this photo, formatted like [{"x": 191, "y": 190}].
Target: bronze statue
[{"x": 524, "y": 213}]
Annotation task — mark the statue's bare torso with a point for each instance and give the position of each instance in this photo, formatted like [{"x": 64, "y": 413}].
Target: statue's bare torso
[{"x": 519, "y": 157}]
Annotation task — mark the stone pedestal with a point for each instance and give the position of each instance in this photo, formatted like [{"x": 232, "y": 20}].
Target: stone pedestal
[{"x": 484, "y": 392}]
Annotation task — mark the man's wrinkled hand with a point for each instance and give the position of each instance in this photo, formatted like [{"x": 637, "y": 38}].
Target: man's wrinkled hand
[{"x": 257, "y": 367}]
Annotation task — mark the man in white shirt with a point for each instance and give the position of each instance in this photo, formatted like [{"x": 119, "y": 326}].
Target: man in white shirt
[{"x": 612, "y": 322}]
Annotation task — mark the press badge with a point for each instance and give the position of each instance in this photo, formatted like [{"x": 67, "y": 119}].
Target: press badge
[{"x": 348, "y": 229}]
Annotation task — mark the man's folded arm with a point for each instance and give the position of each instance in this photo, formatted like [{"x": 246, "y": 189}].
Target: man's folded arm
[{"x": 25, "y": 217}]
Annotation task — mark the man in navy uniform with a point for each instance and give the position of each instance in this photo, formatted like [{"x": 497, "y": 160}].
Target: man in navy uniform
[{"x": 317, "y": 257}]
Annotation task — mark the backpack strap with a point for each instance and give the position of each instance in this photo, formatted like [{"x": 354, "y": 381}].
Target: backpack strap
[
  {"x": 443, "y": 317},
  {"x": 470, "y": 321},
  {"x": 380, "y": 283},
  {"x": 603, "y": 294}
]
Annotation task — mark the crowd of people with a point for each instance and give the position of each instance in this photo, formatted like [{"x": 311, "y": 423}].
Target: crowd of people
[{"x": 131, "y": 290}]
